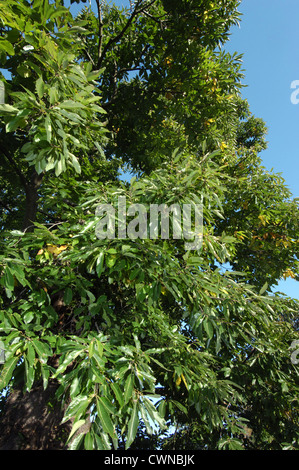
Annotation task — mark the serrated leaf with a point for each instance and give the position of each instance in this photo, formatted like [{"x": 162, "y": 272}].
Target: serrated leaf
[
  {"x": 145, "y": 419},
  {"x": 129, "y": 385},
  {"x": 40, "y": 87},
  {"x": 105, "y": 419},
  {"x": 108, "y": 405},
  {"x": 28, "y": 317},
  {"x": 48, "y": 127},
  {"x": 100, "y": 264},
  {"x": 12, "y": 125},
  {"x": 67, "y": 360},
  {"x": 77, "y": 407},
  {"x": 45, "y": 375},
  {"x": 75, "y": 444},
  {"x": 30, "y": 354},
  {"x": 118, "y": 394},
  {"x": 132, "y": 426},
  {"x": 70, "y": 104},
  {"x": 264, "y": 288},
  {"x": 53, "y": 95},
  {"x": 75, "y": 163},
  {"x": 68, "y": 296},
  {"x": 7, "y": 47},
  {"x": 7, "y": 371},
  {"x": 208, "y": 327},
  {"x": 42, "y": 349},
  {"x": 75, "y": 427},
  {"x": 30, "y": 373},
  {"x": 8, "y": 279},
  {"x": 7, "y": 109},
  {"x": 154, "y": 414}
]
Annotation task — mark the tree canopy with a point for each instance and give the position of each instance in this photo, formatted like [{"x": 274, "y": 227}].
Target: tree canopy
[{"x": 125, "y": 338}]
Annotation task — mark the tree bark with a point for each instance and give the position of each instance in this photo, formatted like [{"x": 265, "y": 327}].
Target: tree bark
[
  {"x": 32, "y": 197},
  {"x": 32, "y": 420}
]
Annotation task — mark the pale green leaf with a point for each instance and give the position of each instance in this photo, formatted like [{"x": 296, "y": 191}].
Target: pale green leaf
[{"x": 132, "y": 426}]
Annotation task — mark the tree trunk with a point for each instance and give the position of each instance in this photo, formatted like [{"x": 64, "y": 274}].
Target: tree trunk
[
  {"x": 31, "y": 205},
  {"x": 32, "y": 420}
]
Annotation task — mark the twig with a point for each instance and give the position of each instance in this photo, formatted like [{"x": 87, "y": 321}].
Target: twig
[
  {"x": 100, "y": 29},
  {"x": 16, "y": 168},
  {"x": 122, "y": 32}
]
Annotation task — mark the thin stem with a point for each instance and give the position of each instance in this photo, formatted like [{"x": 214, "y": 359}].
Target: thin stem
[{"x": 99, "y": 7}]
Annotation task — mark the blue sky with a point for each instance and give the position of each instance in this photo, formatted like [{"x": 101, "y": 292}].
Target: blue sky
[{"x": 268, "y": 38}]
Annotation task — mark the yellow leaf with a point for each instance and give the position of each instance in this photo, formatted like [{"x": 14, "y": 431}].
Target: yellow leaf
[
  {"x": 184, "y": 380},
  {"x": 288, "y": 273},
  {"x": 262, "y": 219},
  {"x": 168, "y": 95},
  {"x": 223, "y": 146},
  {"x": 55, "y": 250},
  {"x": 178, "y": 381}
]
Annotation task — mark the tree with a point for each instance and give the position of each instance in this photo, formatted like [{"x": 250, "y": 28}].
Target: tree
[{"x": 109, "y": 339}]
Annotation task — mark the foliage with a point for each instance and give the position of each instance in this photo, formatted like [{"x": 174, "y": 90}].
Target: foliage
[{"x": 139, "y": 334}]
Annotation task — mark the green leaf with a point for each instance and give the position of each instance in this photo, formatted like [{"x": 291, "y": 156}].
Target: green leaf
[
  {"x": 154, "y": 414},
  {"x": 42, "y": 349},
  {"x": 129, "y": 385},
  {"x": 208, "y": 326},
  {"x": 89, "y": 441},
  {"x": 76, "y": 426},
  {"x": 77, "y": 407},
  {"x": 8, "y": 279},
  {"x": 235, "y": 444},
  {"x": 108, "y": 405},
  {"x": 12, "y": 125},
  {"x": 45, "y": 375},
  {"x": 7, "y": 47},
  {"x": 30, "y": 372},
  {"x": 132, "y": 426},
  {"x": 67, "y": 360},
  {"x": 40, "y": 87},
  {"x": 103, "y": 442},
  {"x": 180, "y": 406},
  {"x": 75, "y": 163},
  {"x": 105, "y": 419},
  {"x": 70, "y": 104},
  {"x": 48, "y": 127},
  {"x": 76, "y": 442},
  {"x": 53, "y": 95},
  {"x": 68, "y": 295},
  {"x": 28, "y": 317},
  {"x": 8, "y": 109},
  {"x": 264, "y": 288},
  {"x": 145, "y": 418},
  {"x": 7, "y": 371},
  {"x": 30, "y": 354},
  {"x": 118, "y": 394},
  {"x": 100, "y": 264}
]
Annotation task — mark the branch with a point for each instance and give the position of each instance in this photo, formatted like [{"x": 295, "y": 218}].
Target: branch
[
  {"x": 11, "y": 161},
  {"x": 89, "y": 56},
  {"x": 100, "y": 29},
  {"x": 32, "y": 197},
  {"x": 111, "y": 41},
  {"x": 7, "y": 208}
]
